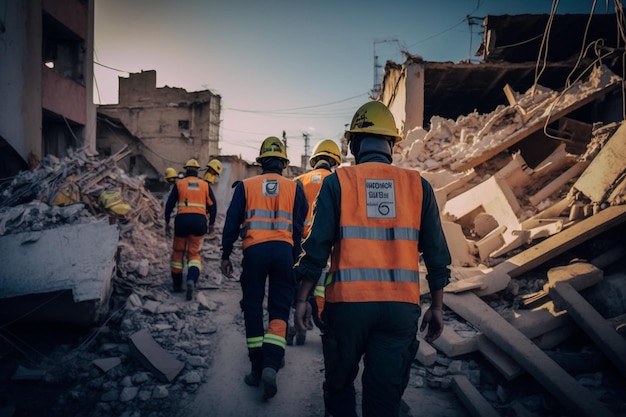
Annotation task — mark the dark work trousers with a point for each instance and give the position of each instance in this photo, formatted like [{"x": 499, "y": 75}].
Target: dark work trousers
[
  {"x": 189, "y": 231},
  {"x": 384, "y": 334},
  {"x": 273, "y": 260}
]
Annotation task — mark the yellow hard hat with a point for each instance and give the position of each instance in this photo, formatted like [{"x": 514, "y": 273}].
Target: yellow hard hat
[
  {"x": 326, "y": 147},
  {"x": 192, "y": 163},
  {"x": 215, "y": 165},
  {"x": 376, "y": 119},
  {"x": 170, "y": 173},
  {"x": 272, "y": 147}
]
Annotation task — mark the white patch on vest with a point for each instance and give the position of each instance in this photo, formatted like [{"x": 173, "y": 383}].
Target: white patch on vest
[
  {"x": 380, "y": 197},
  {"x": 193, "y": 185},
  {"x": 270, "y": 188},
  {"x": 316, "y": 178}
]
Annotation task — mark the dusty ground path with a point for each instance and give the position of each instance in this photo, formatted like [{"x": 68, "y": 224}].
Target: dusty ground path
[
  {"x": 225, "y": 394},
  {"x": 299, "y": 382}
]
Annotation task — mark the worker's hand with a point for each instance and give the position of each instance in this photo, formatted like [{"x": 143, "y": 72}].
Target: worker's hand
[
  {"x": 302, "y": 316},
  {"x": 168, "y": 231},
  {"x": 227, "y": 268},
  {"x": 433, "y": 319}
]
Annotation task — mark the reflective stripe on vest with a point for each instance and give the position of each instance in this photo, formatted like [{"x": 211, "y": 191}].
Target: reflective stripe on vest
[
  {"x": 311, "y": 183},
  {"x": 193, "y": 195},
  {"x": 270, "y": 199},
  {"x": 376, "y": 257}
]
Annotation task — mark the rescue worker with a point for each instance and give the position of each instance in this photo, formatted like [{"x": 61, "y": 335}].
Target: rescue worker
[
  {"x": 374, "y": 219},
  {"x": 270, "y": 209},
  {"x": 190, "y": 196},
  {"x": 326, "y": 156},
  {"x": 213, "y": 170},
  {"x": 171, "y": 176}
]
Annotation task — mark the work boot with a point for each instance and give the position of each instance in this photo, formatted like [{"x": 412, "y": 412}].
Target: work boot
[
  {"x": 189, "y": 290},
  {"x": 253, "y": 379},
  {"x": 300, "y": 338},
  {"x": 268, "y": 376},
  {"x": 291, "y": 332}
]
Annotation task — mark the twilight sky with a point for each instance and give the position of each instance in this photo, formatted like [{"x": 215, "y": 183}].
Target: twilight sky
[{"x": 292, "y": 65}]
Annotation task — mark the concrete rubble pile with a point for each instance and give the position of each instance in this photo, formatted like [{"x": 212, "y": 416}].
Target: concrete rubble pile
[
  {"x": 147, "y": 350},
  {"x": 528, "y": 279}
]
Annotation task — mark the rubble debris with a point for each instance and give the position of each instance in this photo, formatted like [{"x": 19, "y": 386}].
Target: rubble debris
[{"x": 564, "y": 387}]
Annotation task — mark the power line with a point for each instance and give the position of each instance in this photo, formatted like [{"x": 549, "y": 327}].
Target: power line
[
  {"x": 446, "y": 30},
  {"x": 111, "y": 68},
  {"x": 296, "y": 108}
]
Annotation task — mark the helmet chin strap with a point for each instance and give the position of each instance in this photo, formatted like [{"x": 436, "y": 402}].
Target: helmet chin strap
[{"x": 360, "y": 147}]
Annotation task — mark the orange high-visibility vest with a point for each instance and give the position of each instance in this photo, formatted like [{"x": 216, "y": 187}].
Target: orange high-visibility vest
[
  {"x": 270, "y": 199},
  {"x": 193, "y": 195},
  {"x": 311, "y": 182},
  {"x": 376, "y": 257}
]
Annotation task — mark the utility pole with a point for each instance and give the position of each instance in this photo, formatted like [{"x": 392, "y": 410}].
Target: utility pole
[
  {"x": 306, "y": 155},
  {"x": 285, "y": 140}
]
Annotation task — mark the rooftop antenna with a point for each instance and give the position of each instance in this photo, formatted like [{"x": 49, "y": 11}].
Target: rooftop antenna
[{"x": 377, "y": 81}]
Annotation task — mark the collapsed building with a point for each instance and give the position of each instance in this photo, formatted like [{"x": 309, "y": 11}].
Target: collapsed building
[
  {"x": 521, "y": 187},
  {"x": 527, "y": 182}
]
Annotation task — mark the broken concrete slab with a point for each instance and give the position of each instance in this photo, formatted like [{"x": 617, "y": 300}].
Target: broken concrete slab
[
  {"x": 599, "y": 329},
  {"x": 579, "y": 275},
  {"x": 558, "y": 183},
  {"x": 606, "y": 168},
  {"x": 553, "y": 246},
  {"x": 499, "y": 359},
  {"x": 106, "y": 364},
  {"x": 452, "y": 344},
  {"x": 566, "y": 389},
  {"x": 160, "y": 362},
  {"x": 471, "y": 398},
  {"x": 494, "y": 197},
  {"x": 57, "y": 265}
]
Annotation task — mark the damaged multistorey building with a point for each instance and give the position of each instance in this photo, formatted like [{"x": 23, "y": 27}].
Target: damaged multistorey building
[{"x": 527, "y": 155}]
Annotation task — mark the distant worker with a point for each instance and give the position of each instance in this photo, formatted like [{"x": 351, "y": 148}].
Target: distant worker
[
  {"x": 268, "y": 210},
  {"x": 326, "y": 156},
  {"x": 190, "y": 196},
  {"x": 370, "y": 218},
  {"x": 171, "y": 176},
  {"x": 213, "y": 170}
]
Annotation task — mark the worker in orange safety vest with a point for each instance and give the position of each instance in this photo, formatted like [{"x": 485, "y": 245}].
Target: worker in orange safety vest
[
  {"x": 190, "y": 196},
  {"x": 326, "y": 156},
  {"x": 268, "y": 212},
  {"x": 374, "y": 220}
]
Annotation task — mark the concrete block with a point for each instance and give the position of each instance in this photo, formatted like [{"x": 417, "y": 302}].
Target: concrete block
[
  {"x": 56, "y": 265},
  {"x": 426, "y": 354},
  {"x": 453, "y": 345},
  {"x": 161, "y": 363},
  {"x": 499, "y": 359},
  {"x": 605, "y": 169},
  {"x": 558, "y": 183},
  {"x": 106, "y": 364},
  {"x": 494, "y": 197},
  {"x": 599, "y": 330},
  {"x": 471, "y": 398},
  {"x": 457, "y": 244},
  {"x": 579, "y": 275},
  {"x": 574, "y": 397}
]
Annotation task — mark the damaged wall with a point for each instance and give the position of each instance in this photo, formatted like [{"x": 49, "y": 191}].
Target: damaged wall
[{"x": 173, "y": 125}]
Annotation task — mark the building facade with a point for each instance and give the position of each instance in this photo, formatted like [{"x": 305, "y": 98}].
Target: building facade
[
  {"x": 164, "y": 126},
  {"x": 46, "y": 76}
]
